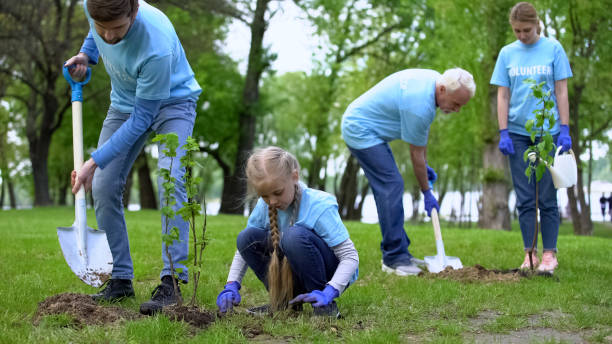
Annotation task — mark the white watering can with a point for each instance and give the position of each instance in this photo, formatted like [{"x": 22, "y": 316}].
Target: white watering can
[{"x": 564, "y": 170}]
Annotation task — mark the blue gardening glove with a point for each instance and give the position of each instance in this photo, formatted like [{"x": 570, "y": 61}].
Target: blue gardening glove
[
  {"x": 505, "y": 142},
  {"x": 432, "y": 176},
  {"x": 564, "y": 140},
  {"x": 430, "y": 202},
  {"x": 229, "y": 297},
  {"x": 318, "y": 298}
]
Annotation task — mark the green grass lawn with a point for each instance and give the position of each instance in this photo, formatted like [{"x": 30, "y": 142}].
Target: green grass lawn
[{"x": 379, "y": 308}]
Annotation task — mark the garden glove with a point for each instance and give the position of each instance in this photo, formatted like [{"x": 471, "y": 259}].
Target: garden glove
[
  {"x": 564, "y": 140},
  {"x": 432, "y": 176},
  {"x": 318, "y": 298},
  {"x": 430, "y": 202},
  {"x": 229, "y": 297},
  {"x": 505, "y": 142}
]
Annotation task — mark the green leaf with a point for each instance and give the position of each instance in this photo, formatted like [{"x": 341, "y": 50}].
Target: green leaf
[
  {"x": 540, "y": 171},
  {"x": 528, "y": 171},
  {"x": 549, "y": 104},
  {"x": 529, "y": 125},
  {"x": 533, "y": 135}
]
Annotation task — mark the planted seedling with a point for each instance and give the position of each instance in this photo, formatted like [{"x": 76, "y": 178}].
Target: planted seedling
[
  {"x": 538, "y": 154},
  {"x": 170, "y": 143}
]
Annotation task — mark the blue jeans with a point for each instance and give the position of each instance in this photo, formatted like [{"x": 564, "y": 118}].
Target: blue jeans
[
  {"x": 387, "y": 186},
  {"x": 525, "y": 198},
  {"x": 108, "y": 185},
  {"x": 313, "y": 262}
]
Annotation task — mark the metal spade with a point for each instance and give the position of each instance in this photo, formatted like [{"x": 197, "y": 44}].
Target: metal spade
[
  {"x": 440, "y": 261},
  {"x": 85, "y": 249}
]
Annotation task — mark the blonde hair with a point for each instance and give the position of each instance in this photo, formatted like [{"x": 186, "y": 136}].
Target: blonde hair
[
  {"x": 526, "y": 13},
  {"x": 274, "y": 162},
  {"x": 455, "y": 78}
]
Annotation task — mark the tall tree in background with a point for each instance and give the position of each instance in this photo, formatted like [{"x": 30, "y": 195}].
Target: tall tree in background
[
  {"x": 37, "y": 36},
  {"x": 584, "y": 29},
  {"x": 350, "y": 29}
]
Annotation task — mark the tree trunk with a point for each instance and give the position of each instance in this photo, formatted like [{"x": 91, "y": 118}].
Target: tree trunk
[
  {"x": 580, "y": 210},
  {"x": 416, "y": 197},
  {"x": 494, "y": 212},
  {"x": 234, "y": 188},
  {"x": 12, "y": 196},
  {"x": 145, "y": 186},
  {"x": 347, "y": 194},
  {"x": 2, "y": 188}
]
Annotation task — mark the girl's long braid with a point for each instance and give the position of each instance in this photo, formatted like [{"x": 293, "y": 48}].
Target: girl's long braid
[{"x": 280, "y": 276}]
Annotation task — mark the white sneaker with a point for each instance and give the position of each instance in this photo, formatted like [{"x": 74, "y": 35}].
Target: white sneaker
[
  {"x": 402, "y": 269},
  {"x": 418, "y": 262}
]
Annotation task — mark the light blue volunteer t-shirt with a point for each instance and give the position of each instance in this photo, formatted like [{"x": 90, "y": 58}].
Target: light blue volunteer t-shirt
[
  {"x": 149, "y": 62},
  {"x": 318, "y": 212},
  {"x": 401, "y": 106},
  {"x": 544, "y": 60}
]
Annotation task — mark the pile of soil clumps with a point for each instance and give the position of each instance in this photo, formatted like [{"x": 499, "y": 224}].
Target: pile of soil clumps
[
  {"x": 83, "y": 309},
  {"x": 189, "y": 314}
]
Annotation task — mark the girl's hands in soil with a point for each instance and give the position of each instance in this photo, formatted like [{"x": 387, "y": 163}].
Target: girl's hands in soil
[
  {"x": 318, "y": 298},
  {"x": 229, "y": 297}
]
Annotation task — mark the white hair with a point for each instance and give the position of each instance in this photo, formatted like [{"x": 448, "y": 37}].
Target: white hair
[{"x": 455, "y": 78}]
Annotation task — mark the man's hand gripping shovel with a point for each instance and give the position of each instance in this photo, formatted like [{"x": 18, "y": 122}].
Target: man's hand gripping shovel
[{"x": 85, "y": 249}]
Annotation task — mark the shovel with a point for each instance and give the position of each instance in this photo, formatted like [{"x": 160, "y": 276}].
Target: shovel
[
  {"x": 85, "y": 249},
  {"x": 439, "y": 262}
]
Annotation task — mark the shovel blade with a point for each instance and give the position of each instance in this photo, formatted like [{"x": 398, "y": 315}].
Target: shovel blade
[
  {"x": 94, "y": 266},
  {"x": 438, "y": 263}
]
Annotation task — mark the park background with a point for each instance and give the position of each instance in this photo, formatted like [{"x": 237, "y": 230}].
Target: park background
[{"x": 282, "y": 72}]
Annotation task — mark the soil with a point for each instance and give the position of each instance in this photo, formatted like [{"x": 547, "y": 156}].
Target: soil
[
  {"x": 190, "y": 314},
  {"x": 478, "y": 273},
  {"x": 83, "y": 309}
]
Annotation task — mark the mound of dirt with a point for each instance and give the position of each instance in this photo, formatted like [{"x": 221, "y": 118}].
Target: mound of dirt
[
  {"x": 83, "y": 309},
  {"x": 477, "y": 273},
  {"x": 189, "y": 314}
]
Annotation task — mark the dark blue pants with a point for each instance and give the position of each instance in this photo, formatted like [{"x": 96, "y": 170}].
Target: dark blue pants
[
  {"x": 313, "y": 262},
  {"x": 387, "y": 186},
  {"x": 525, "y": 198}
]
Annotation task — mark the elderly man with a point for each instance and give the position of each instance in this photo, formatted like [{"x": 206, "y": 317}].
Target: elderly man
[{"x": 402, "y": 106}]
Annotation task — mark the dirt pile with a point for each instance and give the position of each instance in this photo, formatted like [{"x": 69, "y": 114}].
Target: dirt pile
[
  {"x": 82, "y": 309},
  {"x": 191, "y": 315}
]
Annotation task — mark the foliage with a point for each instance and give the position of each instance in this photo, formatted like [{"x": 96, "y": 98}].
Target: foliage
[
  {"x": 191, "y": 209},
  {"x": 544, "y": 118}
]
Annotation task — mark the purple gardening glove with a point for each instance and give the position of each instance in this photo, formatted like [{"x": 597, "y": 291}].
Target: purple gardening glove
[
  {"x": 430, "y": 202},
  {"x": 564, "y": 140},
  {"x": 432, "y": 176},
  {"x": 318, "y": 298},
  {"x": 505, "y": 142},
  {"x": 229, "y": 297}
]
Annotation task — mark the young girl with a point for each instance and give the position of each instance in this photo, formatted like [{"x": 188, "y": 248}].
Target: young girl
[
  {"x": 294, "y": 241},
  {"x": 543, "y": 59}
]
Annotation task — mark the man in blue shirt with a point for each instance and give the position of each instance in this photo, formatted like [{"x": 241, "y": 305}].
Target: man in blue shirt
[
  {"x": 402, "y": 106},
  {"x": 153, "y": 89}
]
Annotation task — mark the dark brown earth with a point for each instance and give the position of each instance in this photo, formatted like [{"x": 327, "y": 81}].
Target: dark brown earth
[
  {"x": 82, "y": 309},
  {"x": 190, "y": 314},
  {"x": 478, "y": 273}
]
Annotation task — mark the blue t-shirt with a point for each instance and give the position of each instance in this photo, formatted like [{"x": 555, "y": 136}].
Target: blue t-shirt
[
  {"x": 318, "y": 212},
  {"x": 149, "y": 62},
  {"x": 544, "y": 60},
  {"x": 401, "y": 106}
]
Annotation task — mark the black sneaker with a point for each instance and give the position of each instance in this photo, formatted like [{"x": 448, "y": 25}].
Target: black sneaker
[
  {"x": 265, "y": 309},
  {"x": 115, "y": 291},
  {"x": 162, "y": 295},
  {"x": 330, "y": 310}
]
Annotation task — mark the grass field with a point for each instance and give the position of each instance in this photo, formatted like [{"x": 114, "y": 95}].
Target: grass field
[{"x": 576, "y": 306}]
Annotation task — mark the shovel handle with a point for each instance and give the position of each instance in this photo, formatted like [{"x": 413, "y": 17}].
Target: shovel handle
[
  {"x": 436, "y": 224},
  {"x": 77, "y": 122}
]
